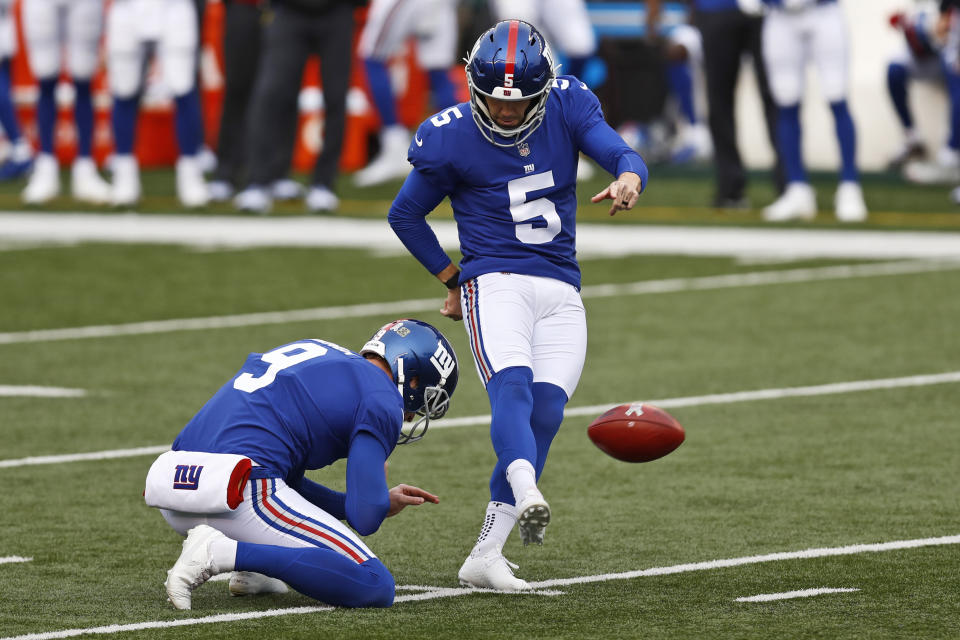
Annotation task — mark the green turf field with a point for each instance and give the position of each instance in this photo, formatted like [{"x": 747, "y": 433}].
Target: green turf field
[{"x": 810, "y": 464}]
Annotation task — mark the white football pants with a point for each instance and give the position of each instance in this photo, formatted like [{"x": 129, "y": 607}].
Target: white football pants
[
  {"x": 63, "y": 31},
  {"x": 390, "y": 23},
  {"x": 515, "y": 320},
  {"x": 565, "y": 23}
]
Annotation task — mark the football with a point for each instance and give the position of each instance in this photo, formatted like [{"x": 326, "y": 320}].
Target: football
[{"x": 636, "y": 432}]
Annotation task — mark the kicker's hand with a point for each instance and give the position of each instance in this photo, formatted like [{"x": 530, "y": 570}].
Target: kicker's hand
[
  {"x": 624, "y": 191},
  {"x": 451, "y": 305},
  {"x": 403, "y": 495}
]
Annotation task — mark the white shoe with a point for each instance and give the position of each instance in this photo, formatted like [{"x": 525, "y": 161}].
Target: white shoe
[
  {"x": 86, "y": 185},
  {"x": 321, "y": 199},
  {"x": 848, "y": 203},
  {"x": 248, "y": 583},
  {"x": 194, "y": 566},
  {"x": 219, "y": 190},
  {"x": 191, "y": 186},
  {"x": 207, "y": 159},
  {"x": 286, "y": 189},
  {"x": 391, "y": 163},
  {"x": 944, "y": 169},
  {"x": 798, "y": 202},
  {"x": 585, "y": 170},
  {"x": 44, "y": 183},
  {"x": 125, "y": 190},
  {"x": 491, "y": 571},
  {"x": 255, "y": 199},
  {"x": 533, "y": 516}
]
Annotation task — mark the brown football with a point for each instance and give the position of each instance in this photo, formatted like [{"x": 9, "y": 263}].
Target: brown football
[{"x": 636, "y": 432}]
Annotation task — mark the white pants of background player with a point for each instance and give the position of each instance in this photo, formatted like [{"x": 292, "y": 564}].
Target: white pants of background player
[
  {"x": 565, "y": 23},
  {"x": 391, "y": 23},
  {"x": 50, "y": 26},
  {"x": 791, "y": 39}
]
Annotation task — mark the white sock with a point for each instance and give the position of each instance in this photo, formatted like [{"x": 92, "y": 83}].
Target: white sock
[
  {"x": 522, "y": 478},
  {"x": 224, "y": 553},
  {"x": 497, "y": 525}
]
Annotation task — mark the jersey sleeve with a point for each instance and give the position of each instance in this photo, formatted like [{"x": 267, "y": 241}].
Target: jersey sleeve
[
  {"x": 380, "y": 415},
  {"x": 368, "y": 498},
  {"x": 594, "y": 136},
  {"x": 430, "y": 151},
  {"x": 407, "y": 217}
]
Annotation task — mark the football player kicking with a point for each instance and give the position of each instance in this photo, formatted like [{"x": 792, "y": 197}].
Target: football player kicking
[
  {"x": 508, "y": 163},
  {"x": 303, "y": 406}
]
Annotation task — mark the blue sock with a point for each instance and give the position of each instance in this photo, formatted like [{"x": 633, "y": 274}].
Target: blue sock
[
  {"x": 188, "y": 122},
  {"x": 444, "y": 94},
  {"x": 47, "y": 113},
  {"x": 953, "y": 91},
  {"x": 124, "y": 119},
  {"x": 548, "y": 403},
  {"x": 8, "y": 113},
  {"x": 83, "y": 116},
  {"x": 788, "y": 137},
  {"x": 378, "y": 77},
  {"x": 511, "y": 406},
  {"x": 681, "y": 85},
  {"x": 847, "y": 137},
  {"x": 321, "y": 573},
  {"x": 897, "y": 78}
]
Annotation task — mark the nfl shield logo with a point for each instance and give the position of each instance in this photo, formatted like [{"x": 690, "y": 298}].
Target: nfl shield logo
[{"x": 524, "y": 149}]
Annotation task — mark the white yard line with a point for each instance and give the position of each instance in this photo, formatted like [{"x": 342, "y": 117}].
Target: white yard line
[
  {"x": 208, "y": 231},
  {"x": 664, "y": 403},
  {"x": 14, "y": 559},
  {"x": 787, "y": 595},
  {"x": 11, "y": 391},
  {"x": 643, "y": 287},
  {"x": 454, "y": 592}
]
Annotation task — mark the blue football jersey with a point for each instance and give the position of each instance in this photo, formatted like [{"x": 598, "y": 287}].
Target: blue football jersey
[
  {"x": 516, "y": 206},
  {"x": 297, "y": 407}
]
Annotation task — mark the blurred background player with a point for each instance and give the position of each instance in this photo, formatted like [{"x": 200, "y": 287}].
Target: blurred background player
[
  {"x": 165, "y": 30},
  {"x": 796, "y": 32},
  {"x": 242, "y": 33},
  {"x": 64, "y": 35},
  {"x": 19, "y": 156},
  {"x": 683, "y": 51},
  {"x": 295, "y": 30},
  {"x": 927, "y": 54},
  {"x": 729, "y": 33},
  {"x": 390, "y": 24},
  {"x": 916, "y": 57}
]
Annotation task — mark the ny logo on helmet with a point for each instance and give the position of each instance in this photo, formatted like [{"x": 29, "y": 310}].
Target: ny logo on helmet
[
  {"x": 187, "y": 476},
  {"x": 443, "y": 361}
]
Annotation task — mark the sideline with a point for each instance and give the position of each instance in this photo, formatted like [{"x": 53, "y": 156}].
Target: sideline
[
  {"x": 664, "y": 403},
  {"x": 453, "y": 592}
]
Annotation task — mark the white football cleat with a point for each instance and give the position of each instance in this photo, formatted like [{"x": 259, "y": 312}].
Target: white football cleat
[
  {"x": 286, "y": 189},
  {"x": 848, "y": 203},
  {"x": 798, "y": 202},
  {"x": 219, "y": 190},
  {"x": 255, "y": 199},
  {"x": 533, "y": 516},
  {"x": 194, "y": 566},
  {"x": 391, "y": 163},
  {"x": 86, "y": 185},
  {"x": 321, "y": 200},
  {"x": 491, "y": 571},
  {"x": 44, "y": 183},
  {"x": 125, "y": 191},
  {"x": 694, "y": 144},
  {"x": 248, "y": 583},
  {"x": 191, "y": 185},
  {"x": 944, "y": 169}
]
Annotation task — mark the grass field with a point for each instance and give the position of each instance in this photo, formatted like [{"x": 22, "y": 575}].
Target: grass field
[{"x": 808, "y": 463}]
